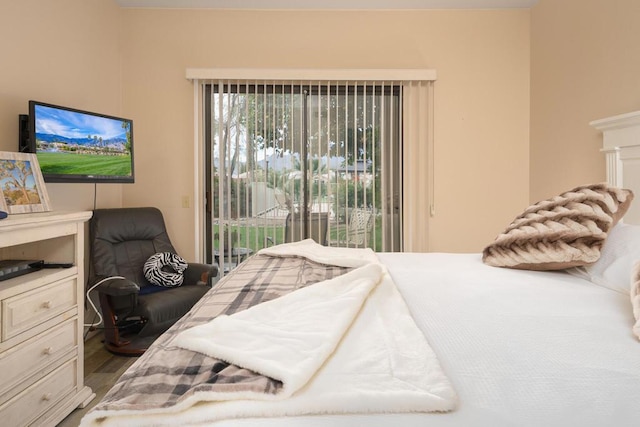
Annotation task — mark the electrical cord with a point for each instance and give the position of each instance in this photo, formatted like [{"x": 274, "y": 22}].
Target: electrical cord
[
  {"x": 86, "y": 332},
  {"x": 93, "y": 325}
]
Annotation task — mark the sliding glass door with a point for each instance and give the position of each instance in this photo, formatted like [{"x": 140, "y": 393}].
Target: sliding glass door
[{"x": 292, "y": 161}]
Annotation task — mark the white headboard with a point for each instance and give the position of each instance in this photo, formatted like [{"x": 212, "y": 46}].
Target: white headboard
[{"x": 621, "y": 145}]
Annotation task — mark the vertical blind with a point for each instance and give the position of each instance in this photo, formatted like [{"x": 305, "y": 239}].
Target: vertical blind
[{"x": 323, "y": 131}]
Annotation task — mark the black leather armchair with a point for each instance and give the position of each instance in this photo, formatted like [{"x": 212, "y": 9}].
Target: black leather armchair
[{"x": 135, "y": 311}]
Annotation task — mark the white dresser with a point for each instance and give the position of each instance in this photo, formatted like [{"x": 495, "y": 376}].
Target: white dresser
[{"x": 41, "y": 320}]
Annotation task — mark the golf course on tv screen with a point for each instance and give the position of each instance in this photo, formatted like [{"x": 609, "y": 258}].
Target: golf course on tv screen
[{"x": 84, "y": 164}]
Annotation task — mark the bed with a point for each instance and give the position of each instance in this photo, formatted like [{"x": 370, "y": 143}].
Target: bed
[{"x": 306, "y": 335}]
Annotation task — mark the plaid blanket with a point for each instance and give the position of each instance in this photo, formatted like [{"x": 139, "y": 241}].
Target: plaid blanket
[
  {"x": 380, "y": 354},
  {"x": 165, "y": 375}
]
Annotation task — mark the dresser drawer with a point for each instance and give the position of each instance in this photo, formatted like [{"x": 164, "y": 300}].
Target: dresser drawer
[
  {"x": 40, "y": 397},
  {"x": 35, "y": 356},
  {"x": 26, "y": 310}
]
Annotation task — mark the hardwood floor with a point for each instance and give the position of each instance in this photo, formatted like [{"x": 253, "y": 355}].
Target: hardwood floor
[{"x": 101, "y": 370}]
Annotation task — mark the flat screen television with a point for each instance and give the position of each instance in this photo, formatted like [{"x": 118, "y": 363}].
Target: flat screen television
[{"x": 79, "y": 146}]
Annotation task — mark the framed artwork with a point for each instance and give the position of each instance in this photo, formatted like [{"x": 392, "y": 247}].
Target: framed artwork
[{"x": 21, "y": 183}]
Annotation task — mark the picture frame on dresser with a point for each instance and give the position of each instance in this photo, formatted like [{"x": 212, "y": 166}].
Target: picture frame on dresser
[{"x": 22, "y": 185}]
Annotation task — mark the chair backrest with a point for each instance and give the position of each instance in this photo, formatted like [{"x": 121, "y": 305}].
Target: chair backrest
[
  {"x": 318, "y": 226},
  {"x": 359, "y": 227},
  {"x": 121, "y": 241}
]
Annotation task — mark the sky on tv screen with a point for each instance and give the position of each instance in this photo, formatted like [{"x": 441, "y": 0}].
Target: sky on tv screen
[{"x": 73, "y": 125}]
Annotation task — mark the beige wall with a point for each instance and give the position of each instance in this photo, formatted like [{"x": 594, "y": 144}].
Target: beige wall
[
  {"x": 584, "y": 66},
  {"x": 126, "y": 62},
  {"x": 481, "y": 98},
  {"x": 66, "y": 53}
]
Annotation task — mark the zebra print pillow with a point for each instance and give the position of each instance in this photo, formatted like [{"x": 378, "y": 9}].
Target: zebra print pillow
[{"x": 165, "y": 269}]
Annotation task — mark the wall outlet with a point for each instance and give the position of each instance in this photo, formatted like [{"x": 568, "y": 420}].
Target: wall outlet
[{"x": 186, "y": 202}]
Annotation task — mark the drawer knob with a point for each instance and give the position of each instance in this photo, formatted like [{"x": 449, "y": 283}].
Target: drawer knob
[
  {"x": 46, "y": 397},
  {"x": 47, "y": 350},
  {"x": 46, "y": 304}
]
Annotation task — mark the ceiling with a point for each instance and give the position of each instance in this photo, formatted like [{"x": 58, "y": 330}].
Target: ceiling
[{"x": 328, "y": 4}]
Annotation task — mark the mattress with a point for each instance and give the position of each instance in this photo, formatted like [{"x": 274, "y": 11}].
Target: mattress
[{"x": 521, "y": 348}]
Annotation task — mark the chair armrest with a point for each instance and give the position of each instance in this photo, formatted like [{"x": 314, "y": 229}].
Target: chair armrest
[
  {"x": 200, "y": 273},
  {"x": 116, "y": 287}
]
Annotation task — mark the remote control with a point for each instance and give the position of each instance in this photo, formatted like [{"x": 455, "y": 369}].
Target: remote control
[{"x": 56, "y": 265}]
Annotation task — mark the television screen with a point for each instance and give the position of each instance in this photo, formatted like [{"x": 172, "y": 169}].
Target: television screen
[{"x": 79, "y": 146}]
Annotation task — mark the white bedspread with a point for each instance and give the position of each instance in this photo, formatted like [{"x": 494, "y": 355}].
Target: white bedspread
[{"x": 521, "y": 348}]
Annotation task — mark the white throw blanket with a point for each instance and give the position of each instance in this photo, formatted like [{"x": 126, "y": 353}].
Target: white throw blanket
[{"x": 345, "y": 345}]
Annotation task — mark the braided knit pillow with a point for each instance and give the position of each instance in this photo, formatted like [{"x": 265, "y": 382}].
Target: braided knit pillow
[{"x": 565, "y": 231}]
